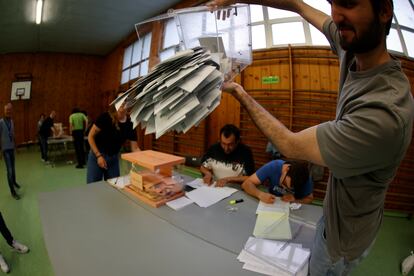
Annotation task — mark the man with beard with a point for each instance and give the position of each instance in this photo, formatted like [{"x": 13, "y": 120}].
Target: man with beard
[
  {"x": 229, "y": 160},
  {"x": 366, "y": 142}
]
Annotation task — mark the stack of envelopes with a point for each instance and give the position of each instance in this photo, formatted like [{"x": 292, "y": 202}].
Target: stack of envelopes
[{"x": 177, "y": 94}]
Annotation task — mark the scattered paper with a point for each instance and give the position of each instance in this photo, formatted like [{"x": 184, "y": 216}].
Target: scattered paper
[
  {"x": 278, "y": 206},
  {"x": 206, "y": 196},
  {"x": 120, "y": 182},
  {"x": 179, "y": 203},
  {"x": 196, "y": 183},
  {"x": 295, "y": 206}
]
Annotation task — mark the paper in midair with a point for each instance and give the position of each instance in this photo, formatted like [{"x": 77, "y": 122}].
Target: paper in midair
[{"x": 177, "y": 94}]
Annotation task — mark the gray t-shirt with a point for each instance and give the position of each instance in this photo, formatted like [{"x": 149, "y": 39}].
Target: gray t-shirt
[{"x": 363, "y": 148}]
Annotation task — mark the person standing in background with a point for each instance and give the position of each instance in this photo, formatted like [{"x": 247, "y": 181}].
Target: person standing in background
[
  {"x": 88, "y": 128},
  {"x": 77, "y": 124},
  {"x": 39, "y": 124},
  {"x": 7, "y": 145},
  {"x": 46, "y": 130},
  {"x": 106, "y": 137}
]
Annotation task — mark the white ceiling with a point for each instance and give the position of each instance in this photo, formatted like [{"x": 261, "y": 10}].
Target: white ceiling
[{"x": 73, "y": 26}]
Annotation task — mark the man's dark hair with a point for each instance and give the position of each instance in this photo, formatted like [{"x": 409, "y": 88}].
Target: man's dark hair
[
  {"x": 378, "y": 6},
  {"x": 230, "y": 129},
  {"x": 298, "y": 172}
]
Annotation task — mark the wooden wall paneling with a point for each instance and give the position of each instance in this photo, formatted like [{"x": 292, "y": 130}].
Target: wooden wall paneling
[
  {"x": 228, "y": 112},
  {"x": 59, "y": 81}
]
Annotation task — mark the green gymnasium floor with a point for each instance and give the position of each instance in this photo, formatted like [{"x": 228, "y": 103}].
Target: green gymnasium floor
[{"x": 395, "y": 241}]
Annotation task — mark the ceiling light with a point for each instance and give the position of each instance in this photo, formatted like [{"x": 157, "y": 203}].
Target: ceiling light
[{"x": 39, "y": 6}]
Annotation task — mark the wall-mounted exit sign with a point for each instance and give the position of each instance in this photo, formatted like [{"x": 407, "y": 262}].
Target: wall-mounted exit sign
[{"x": 270, "y": 79}]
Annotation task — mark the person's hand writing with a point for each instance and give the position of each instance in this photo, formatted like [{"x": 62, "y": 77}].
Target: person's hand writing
[
  {"x": 102, "y": 162},
  {"x": 288, "y": 198},
  {"x": 207, "y": 178},
  {"x": 221, "y": 182},
  {"x": 267, "y": 198}
]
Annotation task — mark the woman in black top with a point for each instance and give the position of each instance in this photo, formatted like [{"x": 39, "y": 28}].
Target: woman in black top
[{"x": 106, "y": 137}]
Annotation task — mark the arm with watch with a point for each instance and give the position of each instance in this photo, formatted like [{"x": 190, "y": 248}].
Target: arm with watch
[{"x": 91, "y": 139}]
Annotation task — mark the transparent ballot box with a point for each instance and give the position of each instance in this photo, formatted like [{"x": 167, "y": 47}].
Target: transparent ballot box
[{"x": 226, "y": 33}]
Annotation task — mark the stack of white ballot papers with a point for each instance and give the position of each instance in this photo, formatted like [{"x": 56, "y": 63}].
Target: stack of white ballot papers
[
  {"x": 177, "y": 94},
  {"x": 275, "y": 257}
]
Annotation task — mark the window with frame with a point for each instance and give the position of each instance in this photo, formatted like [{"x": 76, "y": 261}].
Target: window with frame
[
  {"x": 278, "y": 28},
  {"x": 136, "y": 59},
  {"x": 171, "y": 41}
]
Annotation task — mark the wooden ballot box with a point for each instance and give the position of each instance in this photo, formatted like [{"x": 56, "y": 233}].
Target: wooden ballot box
[{"x": 152, "y": 178}]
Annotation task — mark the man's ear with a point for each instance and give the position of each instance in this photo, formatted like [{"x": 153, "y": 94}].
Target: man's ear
[{"x": 386, "y": 12}]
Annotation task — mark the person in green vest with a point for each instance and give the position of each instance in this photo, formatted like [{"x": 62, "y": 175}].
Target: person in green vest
[{"x": 77, "y": 123}]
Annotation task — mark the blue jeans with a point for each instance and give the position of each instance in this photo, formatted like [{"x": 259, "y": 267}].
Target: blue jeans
[
  {"x": 96, "y": 173},
  {"x": 320, "y": 261},
  {"x": 5, "y": 231},
  {"x": 11, "y": 173}
]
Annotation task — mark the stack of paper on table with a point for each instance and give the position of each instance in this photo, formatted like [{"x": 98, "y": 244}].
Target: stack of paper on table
[
  {"x": 273, "y": 221},
  {"x": 274, "y": 257},
  {"x": 206, "y": 196},
  {"x": 179, "y": 203},
  {"x": 177, "y": 94}
]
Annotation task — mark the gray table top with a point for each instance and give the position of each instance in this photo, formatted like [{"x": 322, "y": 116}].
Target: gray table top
[{"x": 96, "y": 230}]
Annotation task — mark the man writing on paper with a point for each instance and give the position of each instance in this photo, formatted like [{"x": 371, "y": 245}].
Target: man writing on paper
[
  {"x": 227, "y": 161},
  {"x": 366, "y": 142},
  {"x": 287, "y": 179}
]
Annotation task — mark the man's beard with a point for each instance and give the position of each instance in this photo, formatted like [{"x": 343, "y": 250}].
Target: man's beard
[{"x": 365, "y": 41}]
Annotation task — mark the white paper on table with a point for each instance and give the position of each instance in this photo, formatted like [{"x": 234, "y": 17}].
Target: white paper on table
[
  {"x": 179, "y": 203},
  {"x": 120, "y": 182},
  {"x": 255, "y": 264},
  {"x": 278, "y": 206},
  {"x": 295, "y": 206},
  {"x": 290, "y": 257},
  {"x": 206, "y": 196},
  {"x": 196, "y": 183}
]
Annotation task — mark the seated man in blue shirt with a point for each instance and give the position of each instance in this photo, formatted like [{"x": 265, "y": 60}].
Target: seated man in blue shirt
[{"x": 287, "y": 179}]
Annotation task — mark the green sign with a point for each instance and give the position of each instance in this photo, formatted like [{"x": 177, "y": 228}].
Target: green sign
[{"x": 270, "y": 79}]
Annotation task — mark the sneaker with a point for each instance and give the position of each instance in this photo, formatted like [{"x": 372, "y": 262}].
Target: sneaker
[
  {"x": 17, "y": 185},
  {"x": 79, "y": 167},
  {"x": 19, "y": 247},
  {"x": 3, "y": 265},
  {"x": 16, "y": 196},
  {"x": 407, "y": 264}
]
